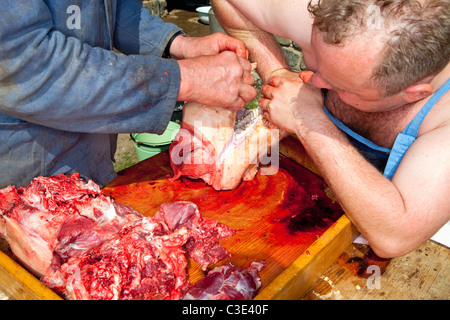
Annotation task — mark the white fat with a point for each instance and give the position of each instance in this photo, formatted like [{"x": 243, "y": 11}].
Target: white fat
[
  {"x": 110, "y": 212},
  {"x": 105, "y": 206}
]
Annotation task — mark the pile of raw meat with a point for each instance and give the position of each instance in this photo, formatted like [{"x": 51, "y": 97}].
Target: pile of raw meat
[{"x": 84, "y": 245}]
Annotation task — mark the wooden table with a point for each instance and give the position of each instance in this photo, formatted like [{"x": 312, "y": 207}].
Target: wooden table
[
  {"x": 355, "y": 274},
  {"x": 421, "y": 274}
]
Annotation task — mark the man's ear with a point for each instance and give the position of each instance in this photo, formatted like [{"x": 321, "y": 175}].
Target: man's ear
[{"x": 418, "y": 92}]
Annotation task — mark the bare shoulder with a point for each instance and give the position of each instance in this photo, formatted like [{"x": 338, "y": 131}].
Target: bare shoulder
[
  {"x": 427, "y": 161},
  {"x": 422, "y": 179},
  {"x": 438, "y": 117},
  {"x": 288, "y": 19},
  {"x": 434, "y": 134}
]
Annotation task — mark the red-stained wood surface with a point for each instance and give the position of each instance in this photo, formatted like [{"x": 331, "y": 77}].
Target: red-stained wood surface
[
  {"x": 288, "y": 219},
  {"x": 276, "y": 217}
]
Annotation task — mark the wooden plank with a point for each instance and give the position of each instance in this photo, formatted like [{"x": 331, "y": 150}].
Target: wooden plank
[
  {"x": 423, "y": 274},
  {"x": 19, "y": 284},
  {"x": 296, "y": 280}
]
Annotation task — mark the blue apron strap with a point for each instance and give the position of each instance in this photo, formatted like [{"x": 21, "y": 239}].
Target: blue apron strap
[
  {"x": 401, "y": 145},
  {"x": 355, "y": 135},
  {"x": 405, "y": 139},
  {"x": 413, "y": 127}
]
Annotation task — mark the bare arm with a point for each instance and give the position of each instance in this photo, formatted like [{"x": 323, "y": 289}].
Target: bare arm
[
  {"x": 395, "y": 216},
  {"x": 255, "y": 21}
]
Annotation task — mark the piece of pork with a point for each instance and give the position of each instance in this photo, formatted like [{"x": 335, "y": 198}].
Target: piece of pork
[
  {"x": 221, "y": 146},
  {"x": 142, "y": 261},
  {"x": 146, "y": 259},
  {"x": 204, "y": 233},
  {"x": 57, "y": 217},
  {"x": 227, "y": 283}
]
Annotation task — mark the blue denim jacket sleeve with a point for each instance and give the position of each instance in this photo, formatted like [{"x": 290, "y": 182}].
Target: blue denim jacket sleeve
[
  {"x": 134, "y": 30},
  {"x": 61, "y": 82}
]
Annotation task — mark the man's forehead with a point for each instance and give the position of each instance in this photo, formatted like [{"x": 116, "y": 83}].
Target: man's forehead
[{"x": 349, "y": 64}]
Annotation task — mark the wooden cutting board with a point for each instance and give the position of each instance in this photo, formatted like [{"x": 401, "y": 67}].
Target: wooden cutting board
[{"x": 288, "y": 219}]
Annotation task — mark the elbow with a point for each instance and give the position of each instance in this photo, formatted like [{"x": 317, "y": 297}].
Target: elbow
[
  {"x": 387, "y": 253},
  {"x": 389, "y": 248}
]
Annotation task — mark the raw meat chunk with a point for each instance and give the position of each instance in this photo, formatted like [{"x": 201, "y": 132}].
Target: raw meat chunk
[
  {"x": 221, "y": 146},
  {"x": 204, "y": 233},
  {"x": 146, "y": 259},
  {"x": 57, "y": 217},
  {"x": 141, "y": 262},
  {"x": 84, "y": 245},
  {"x": 227, "y": 283}
]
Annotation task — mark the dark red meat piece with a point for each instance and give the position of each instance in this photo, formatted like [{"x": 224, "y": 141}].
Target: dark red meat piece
[
  {"x": 204, "y": 233},
  {"x": 227, "y": 283},
  {"x": 141, "y": 262}
]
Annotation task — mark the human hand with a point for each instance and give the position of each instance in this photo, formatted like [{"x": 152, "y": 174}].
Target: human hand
[
  {"x": 222, "y": 80},
  {"x": 289, "y": 103},
  {"x": 305, "y": 76},
  {"x": 191, "y": 47}
]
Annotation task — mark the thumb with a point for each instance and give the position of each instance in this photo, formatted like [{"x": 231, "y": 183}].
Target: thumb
[{"x": 306, "y": 76}]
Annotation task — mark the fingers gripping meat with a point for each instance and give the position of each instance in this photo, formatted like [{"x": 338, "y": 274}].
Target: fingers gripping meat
[{"x": 221, "y": 146}]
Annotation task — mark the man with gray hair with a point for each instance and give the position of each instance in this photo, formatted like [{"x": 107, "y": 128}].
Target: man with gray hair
[{"x": 373, "y": 109}]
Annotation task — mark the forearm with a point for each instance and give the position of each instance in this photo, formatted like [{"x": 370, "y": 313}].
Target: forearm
[
  {"x": 62, "y": 83},
  {"x": 262, "y": 46},
  {"x": 389, "y": 213},
  {"x": 372, "y": 202}
]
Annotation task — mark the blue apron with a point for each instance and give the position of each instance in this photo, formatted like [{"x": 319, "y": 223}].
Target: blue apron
[{"x": 391, "y": 158}]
